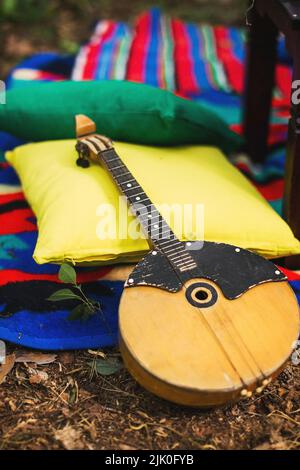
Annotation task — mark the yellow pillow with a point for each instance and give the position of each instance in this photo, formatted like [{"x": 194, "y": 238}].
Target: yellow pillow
[{"x": 66, "y": 200}]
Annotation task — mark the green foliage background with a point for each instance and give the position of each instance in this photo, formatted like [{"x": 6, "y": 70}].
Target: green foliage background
[{"x": 39, "y": 10}]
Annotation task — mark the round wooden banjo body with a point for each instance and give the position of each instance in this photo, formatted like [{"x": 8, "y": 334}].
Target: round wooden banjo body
[{"x": 200, "y": 324}]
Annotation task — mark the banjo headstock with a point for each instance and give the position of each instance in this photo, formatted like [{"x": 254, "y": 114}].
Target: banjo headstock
[{"x": 89, "y": 144}]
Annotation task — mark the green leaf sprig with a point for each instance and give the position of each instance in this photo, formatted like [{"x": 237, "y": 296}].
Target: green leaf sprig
[{"x": 107, "y": 366}]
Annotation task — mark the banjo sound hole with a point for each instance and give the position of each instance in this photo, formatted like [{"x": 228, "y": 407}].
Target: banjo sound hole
[{"x": 201, "y": 294}]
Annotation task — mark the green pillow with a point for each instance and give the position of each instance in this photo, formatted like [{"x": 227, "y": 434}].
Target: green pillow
[{"x": 125, "y": 111}]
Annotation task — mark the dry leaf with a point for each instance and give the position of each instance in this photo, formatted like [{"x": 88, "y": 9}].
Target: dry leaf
[
  {"x": 38, "y": 358},
  {"x": 268, "y": 446},
  {"x": 264, "y": 446},
  {"x": 161, "y": 432},
  {"x": 126, "y": 447},
  {"x": 138, "y": 427},
  {"x": 97, "y": 353},
  {"x": 26, "y": 401},
  {"x": 279, "y": 446},
  {"x": 12, "y": 405},
  {"x": 7, "y": 367},
  {"x": 69, "y": 437}
]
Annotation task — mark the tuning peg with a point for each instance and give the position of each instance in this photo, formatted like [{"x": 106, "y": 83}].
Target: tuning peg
[
  {"x": 82, "y": 149},
  {"x": 83, "y": 154}
]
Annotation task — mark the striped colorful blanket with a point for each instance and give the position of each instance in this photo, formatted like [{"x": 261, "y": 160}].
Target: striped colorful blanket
[
  {"x": 182, "y": 57},
  {"x": 198, "y": 62}
]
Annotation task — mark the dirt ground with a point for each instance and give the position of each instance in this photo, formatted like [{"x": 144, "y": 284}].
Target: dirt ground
[{"x": 67, "y": 405}]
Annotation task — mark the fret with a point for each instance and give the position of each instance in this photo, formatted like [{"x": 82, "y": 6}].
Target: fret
[
  {"x": 167, "y": 231},
  {"x": 134, "y": 195},
  {"x": 155, "y": 227},
  {"x": 186, "y": 256},
  {"x": 193, "y": 263},
  {"x": 181, "y": 249},
  {"x": 187, "y": 268},
  {"x": 116, "y": 167},
  {"x": 140, "y": 205},
  {"x": 140, "y": 201},
  {"x": 137, "y": 194},
  {"x": 171, "y": 242},
  {"x": 121, "y": 174},
  {"x": 180, "y": 262},
  {"x": 181, "y": 255},
  {"x": 128, "y": 181},
  {"x": 170, "y": 251},
  {"x": 177, "y": 242},
  {"x": 134, "y": 188},
  {"x": 115, "y": 158},
  {"x": 145, "y": 211},
  {"x": 162, "y": 235},
  {"x": 155, "y": 224},
  {"x": 183, "y": 263},
  {"x": 145, "y": 216}
]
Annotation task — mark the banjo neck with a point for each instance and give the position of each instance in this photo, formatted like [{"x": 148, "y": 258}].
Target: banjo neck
[
  {"x": 153, "y": 224},
  {"x": 218, "y": 331}
]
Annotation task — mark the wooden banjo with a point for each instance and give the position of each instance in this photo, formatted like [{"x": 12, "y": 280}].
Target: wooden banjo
[{"x": 198, "y": 327}]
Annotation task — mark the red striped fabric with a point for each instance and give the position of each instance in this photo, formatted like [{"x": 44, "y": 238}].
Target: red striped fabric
[
  {"x": 16, "y": 221},
  {"x": 291, "y": 275},
  {"x": 6, "y": 198},
  {"x": 284, "y": 83},
  {"x": 94, "y": 50},
  {"x": 277, "y": 132},
  {"x": 272, "y": 190},
  {"x": 15, "y": 275},
  {"x": 233, "y": 67},
  {"x": 185, "y": 79},
  {"x": 136, "y": 67}
]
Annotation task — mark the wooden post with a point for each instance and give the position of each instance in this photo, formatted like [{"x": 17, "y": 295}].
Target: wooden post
[{"x": 291, "y": 201}]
